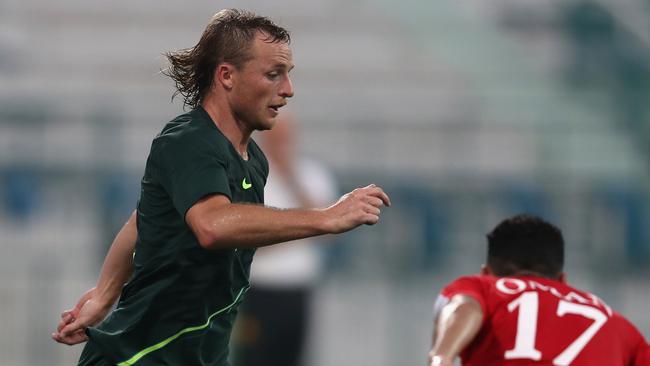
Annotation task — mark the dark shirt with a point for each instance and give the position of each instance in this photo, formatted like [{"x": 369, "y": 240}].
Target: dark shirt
[{"x": 180, "y": 305}]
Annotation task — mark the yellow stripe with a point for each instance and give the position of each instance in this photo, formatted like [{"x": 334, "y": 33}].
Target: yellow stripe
[{"x": 146, "y": 351}]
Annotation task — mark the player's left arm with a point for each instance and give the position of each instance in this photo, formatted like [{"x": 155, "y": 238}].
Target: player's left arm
[{"x": 455, "y": 327}]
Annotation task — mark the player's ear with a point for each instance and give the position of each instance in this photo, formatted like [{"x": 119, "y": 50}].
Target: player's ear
[
  {"x": 223, "y": 75},
  {"x": 486, "y": 271},
  {"x": 562, "y": 277}
]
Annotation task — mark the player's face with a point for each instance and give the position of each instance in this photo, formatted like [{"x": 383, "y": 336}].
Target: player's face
[{"x": 262, "y": 85}]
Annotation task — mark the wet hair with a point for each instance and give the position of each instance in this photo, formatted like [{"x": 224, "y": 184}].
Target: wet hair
[
  {"x": 526, "y": 244},
  {"x": 228, "y": 37}
]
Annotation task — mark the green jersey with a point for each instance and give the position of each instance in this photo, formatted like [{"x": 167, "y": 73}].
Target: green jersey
[{"x": 179, "y": 306}]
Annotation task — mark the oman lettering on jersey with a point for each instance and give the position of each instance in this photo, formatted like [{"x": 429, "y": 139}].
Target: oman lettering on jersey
[{"x": 530, "y": 320}]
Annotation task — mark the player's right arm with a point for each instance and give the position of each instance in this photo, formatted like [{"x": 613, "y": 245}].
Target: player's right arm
[
  {"x": 455, "y": 327},
  {"x": 218, "y": 223},
  {"x": 93, "y": 305}
]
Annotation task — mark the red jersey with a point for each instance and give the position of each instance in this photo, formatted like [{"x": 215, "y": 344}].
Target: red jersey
[{"x": 530, "y": 320}]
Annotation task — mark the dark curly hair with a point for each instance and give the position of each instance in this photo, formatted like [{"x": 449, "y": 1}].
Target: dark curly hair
[
  {"x": 227, "y": 38},
  {"x": 526, "y": 244}
]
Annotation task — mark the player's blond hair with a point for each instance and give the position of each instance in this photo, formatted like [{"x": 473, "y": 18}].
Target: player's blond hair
[{"x": 228, "y": 38}]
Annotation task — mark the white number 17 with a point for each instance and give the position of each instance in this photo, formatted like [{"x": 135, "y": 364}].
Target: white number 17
[{"x": 528, "y": 304}]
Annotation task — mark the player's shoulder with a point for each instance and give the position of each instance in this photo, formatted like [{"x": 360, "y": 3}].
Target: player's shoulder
[
  {"x": 475, "y": 286},
  {"x": 468, "y": 283},
  {"x": 189, "y": 131},
  {"x": 475, "y": 279},
  {"x": 195, "y": 123},
  {"x": 628, "y": 335},
  {"x": 625, "y": 326}
]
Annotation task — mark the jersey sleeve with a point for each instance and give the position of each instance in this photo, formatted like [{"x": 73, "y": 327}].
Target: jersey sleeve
[
  {"x": 193, "y": 169},
  {"x": 468, "y": 285}
]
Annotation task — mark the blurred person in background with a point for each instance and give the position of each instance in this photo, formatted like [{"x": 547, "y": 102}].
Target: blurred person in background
[
  {"x": 521, "y": 311},
  {"x": 187, "y": 249},
  {"x": 274, "y": 320}
]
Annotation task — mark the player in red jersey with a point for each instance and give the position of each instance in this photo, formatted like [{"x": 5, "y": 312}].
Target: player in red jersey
[{"x": 521, "y": 311}]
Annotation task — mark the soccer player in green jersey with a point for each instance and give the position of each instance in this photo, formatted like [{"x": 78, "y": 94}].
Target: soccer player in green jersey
[{"x": 180, "y": 264}]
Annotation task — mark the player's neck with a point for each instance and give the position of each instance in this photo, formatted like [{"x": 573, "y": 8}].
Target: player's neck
[{"x": 234, "y": 130}]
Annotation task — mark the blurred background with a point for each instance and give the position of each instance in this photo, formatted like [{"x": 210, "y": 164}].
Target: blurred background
[{"x": 464, "y": 111}]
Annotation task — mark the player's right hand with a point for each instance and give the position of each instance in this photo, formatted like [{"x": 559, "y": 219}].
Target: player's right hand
[
  {"x": 87, "y": 312},
  {"x": 361, "y": 206}
]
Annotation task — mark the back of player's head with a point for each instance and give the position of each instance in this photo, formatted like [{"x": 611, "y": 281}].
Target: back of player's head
[
  {"x": 228, "y": 37},
  {"x": 525, "y": 244}
]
